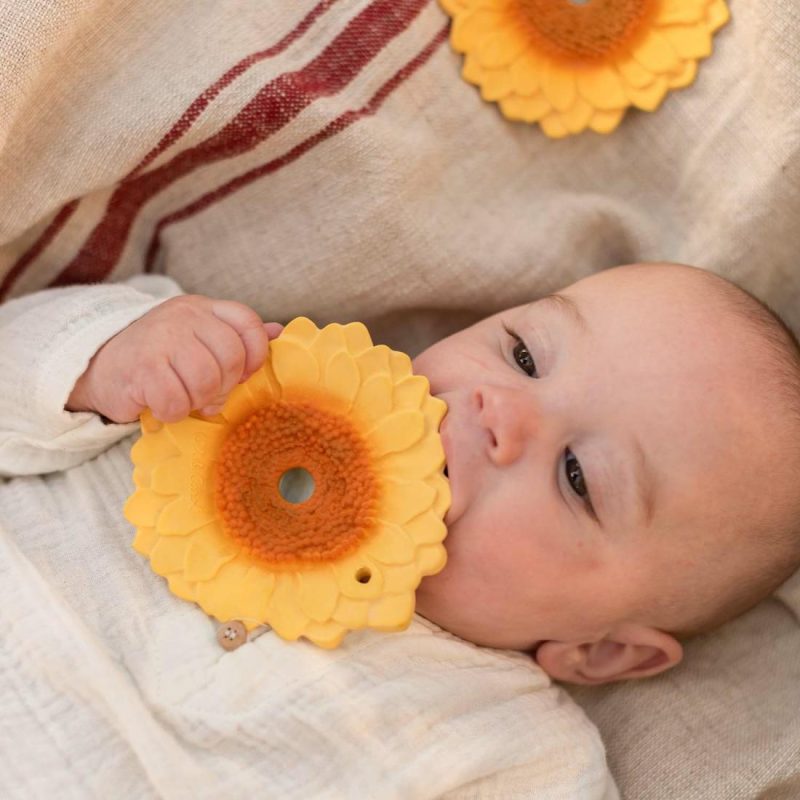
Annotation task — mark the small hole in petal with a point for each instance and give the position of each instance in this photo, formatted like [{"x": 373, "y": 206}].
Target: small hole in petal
[
  {"x": 363, "y": 575},
  {"x": 296, "y": 485}
]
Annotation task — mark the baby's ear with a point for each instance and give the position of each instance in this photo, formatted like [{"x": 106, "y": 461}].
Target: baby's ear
[{"x": 629, "y": 651}]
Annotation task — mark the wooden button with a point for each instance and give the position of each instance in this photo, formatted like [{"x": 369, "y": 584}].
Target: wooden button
[{"x": 232, "y": 634}]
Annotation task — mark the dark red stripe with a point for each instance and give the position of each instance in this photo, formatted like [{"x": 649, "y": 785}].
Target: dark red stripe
[
  {"x": 337, "y": 126},
  {"x": 276, "y": 104},
  {"x": 199, "y": 105},
  {"x": 47, "y": 236},
  {"x": 173, "y": 135}
]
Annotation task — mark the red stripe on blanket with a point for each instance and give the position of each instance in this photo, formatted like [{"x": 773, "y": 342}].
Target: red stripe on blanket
[
  {"x": 198, "y": 106},
  {"x": 32, "y": 253},
  {"x": 187, "y": 119},
  {"x": 337, "y": 126},
  {"x": 276, "y": 104}
]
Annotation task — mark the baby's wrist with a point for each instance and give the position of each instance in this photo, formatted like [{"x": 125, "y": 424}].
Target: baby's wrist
[{"x": 79, "y": 398}]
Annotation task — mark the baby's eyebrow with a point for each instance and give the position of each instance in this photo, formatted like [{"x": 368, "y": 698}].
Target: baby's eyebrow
[
  {"x": 564, "y": 302},
  {"x": 643, "y": 482}
]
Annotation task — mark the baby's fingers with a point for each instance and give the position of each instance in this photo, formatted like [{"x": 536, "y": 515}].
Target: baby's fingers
[
  {"x": 166, "y": 396},
  {"x": 250, "y": 330}
]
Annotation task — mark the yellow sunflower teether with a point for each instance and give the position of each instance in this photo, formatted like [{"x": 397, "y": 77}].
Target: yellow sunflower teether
[
  {"x": 219, "y": 513},
  {"x": 576, "y": 64}
]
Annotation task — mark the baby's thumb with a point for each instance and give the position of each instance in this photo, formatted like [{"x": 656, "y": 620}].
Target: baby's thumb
[{"x": 273, "y": 329}]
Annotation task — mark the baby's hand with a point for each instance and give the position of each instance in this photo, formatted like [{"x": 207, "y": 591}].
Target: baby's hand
[{"x": 187, "y": 353}]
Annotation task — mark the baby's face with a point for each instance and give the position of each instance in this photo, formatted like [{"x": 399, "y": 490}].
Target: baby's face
[{"x": 597, "y": 441}]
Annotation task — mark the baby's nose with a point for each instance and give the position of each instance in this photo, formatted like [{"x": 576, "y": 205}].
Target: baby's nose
[{"x": 509, "y": 418}]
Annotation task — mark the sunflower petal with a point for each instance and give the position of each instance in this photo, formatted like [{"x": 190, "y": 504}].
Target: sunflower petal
[
  {"x": 329, "y": 342},
  {"x": 396, "y": 432},
  {"x": 400, "y": 365},
  {"x": 283, "y": 612},
  {"x": 374, "y": 361},
  {"x": 717, "y": 15},
  {"x": 350, "y": 612},
  {"x": 400, "y": 578},
  {"x": 418, "y": 461},
  {"x": 318, "y": 593},
  {"x": 182, "y": 515},
  {"x": 526, "y": 74},
  {"x": 410, "y": 392},
  {"x": 499, "y": 48},
  {"x": 472, "y": 71},
  {"x": 469, "y": 28},
  {"x": 650, "y": 98},
  {"x": 327, "y": 635},
  {"x": 357, "y": 338},
  {"x": 434, "y": 410},
  {"x": 209, "y": 550},
  {"x": 679, "y": 12},
  {"x": 684, "y": 77},
  {"x": 302, "y": 330},
  {"x": 558, "y": 86},
  {"x": 295, "y": 367},
  {"x": 391, "y": 545},
  {"x": 145, "y": 540},
  {"x": 392, "y": 612},
  {"x": 689, "y": 41},
  {"x": 426, "y": 528},
  {"x": 238, "y": 591},
  {"x": 374, "y": 399},
  {"x": 553, "y": 126},
  {"x": 442, "y": 487},
  {"x": 142, "y": 475},
  {"x": 634, "y": 74},
  {"x": 656, "y": 54},
  {"x": 263, "y": 385},
  {"x": 403, "y": 501},
  {"x": 180, "y": 587},
  {"x": 239, "y": 405},
  {"x": 342, "y": 378},
  {"x": 496, "y": 84},
  {"x": 577, "y": 118},
  {"x": 153, "y": 448},
  {"x": 525, "y": 109},
  {"x": 168, "y": 555},
  {"x": 606, "y": 121},
  {"x": 169, "y": 476},
  {"x": 431, "y": 558},
  {"x": 144, "y": 506},
  {"x": 602, "y": 88}
]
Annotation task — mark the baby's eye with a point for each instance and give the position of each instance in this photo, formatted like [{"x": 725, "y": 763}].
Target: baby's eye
[
  {"x": 524, "y": 359},
  {"x": 575, "y": 475}
]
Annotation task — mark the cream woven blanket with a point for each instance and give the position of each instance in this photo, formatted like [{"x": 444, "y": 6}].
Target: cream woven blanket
[{"x": 323, "y": 157}]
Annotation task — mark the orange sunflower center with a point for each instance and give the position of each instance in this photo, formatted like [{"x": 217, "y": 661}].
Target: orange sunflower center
[
  {"x": 332, "y": 522},
  {"x": 585, "y": 30}
]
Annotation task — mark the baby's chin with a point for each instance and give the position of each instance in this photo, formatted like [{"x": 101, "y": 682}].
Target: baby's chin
[{"x": 435, "y": 602}]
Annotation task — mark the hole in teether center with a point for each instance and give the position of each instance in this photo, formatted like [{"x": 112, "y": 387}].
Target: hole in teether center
[
  {"x": 296, "y": 485},
  {"x": 363, "y": 575}
]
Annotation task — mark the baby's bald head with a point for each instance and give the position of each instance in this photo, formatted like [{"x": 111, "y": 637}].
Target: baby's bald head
[{"x": 754, "y": 546}]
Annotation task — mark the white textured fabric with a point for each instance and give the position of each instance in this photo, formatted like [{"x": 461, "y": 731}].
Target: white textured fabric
[
  {"x": 398, "y": 197},
  {"x": 46, "y": 341},
  {"x": 112, "y": 687}
]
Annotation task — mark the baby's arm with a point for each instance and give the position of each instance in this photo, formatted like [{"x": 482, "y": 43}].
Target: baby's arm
[
  {"x": 186, "y": 354},
  {"x": 47, "y": 342}
]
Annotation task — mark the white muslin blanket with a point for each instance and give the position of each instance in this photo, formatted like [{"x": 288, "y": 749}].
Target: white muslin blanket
[{"x": 112, "y": 687}]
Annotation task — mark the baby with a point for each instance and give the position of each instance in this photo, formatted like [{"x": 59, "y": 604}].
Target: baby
[{"x": 623, "y": 457}]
